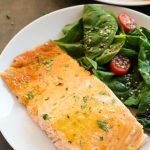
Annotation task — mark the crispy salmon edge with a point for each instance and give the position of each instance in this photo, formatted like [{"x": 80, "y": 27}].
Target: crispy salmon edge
[{"x": 59, "y": 142}]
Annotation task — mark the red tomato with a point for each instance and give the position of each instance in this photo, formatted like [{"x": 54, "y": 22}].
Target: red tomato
[
  {"x": 120, "y": 65},
  {"x": 126, "y": 21}
]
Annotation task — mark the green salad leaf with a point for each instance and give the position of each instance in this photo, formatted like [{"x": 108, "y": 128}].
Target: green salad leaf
[
  {"x": 87, "y": 63},
  {"x": 100, "y": 28},
  {"x": 145, "y": 122},
  {"x": 144, "y": 62}
]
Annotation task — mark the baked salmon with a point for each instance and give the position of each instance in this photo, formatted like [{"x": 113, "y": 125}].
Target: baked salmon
[{"x": 74, "y": 108}]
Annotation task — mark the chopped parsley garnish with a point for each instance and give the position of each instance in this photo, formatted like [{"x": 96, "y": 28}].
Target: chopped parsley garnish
[
  {"x": 68, "y": 116},
  {"x": 101, "y": 138},
  {"x": 30, "y": 95},
  {"x": 66, "y": 88},
  {"x": 46, "y": 99},
  {"x": 45, "y": 62},
  {"x": 83, "y": 106},
  {"x": 37, "y": 59},
  {"x": 66, "y": 65},
  {"x": 60, "y": 78},
  {"x": 102, "y": 93},
  {"x": 45, "y": 116},
  {"x": 85, "y": 98},
  {"x": 70, "y": 142},
  {"x": 82, "y": 143},
  {"x": 102, "y": 125},
  {"x": 90, "y": 109},
  {"x": 10, "y": 75},
  {"x": 59, "y": 83}
]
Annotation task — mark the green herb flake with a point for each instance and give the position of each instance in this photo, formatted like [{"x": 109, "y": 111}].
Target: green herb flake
[
  {"x": 82, "y": 143},
  {"x": 46, "y": 99},
  {"x": 110, "y": 127},
  {"x": 68, "y": 116},
  {"x": 60, "y": 78},
  {"x": 102, "y": 125},
  {"x": 70, "y": 142},
  {"x": 45, "y": 116},
  {"x": 90, "y": 109},
  {"x": 62, "y": 96},
  {"x": 83, "y": 106},
  {"x": 10, "y": 75},
  {"x": 85, "y": 98},
  {"x": 66, "y": 88},
  {"x": 75, "y": 97},
  {"x": 59, "y": 83},
  {"x": 46, "y": 62},
  {"x": 102, "y": 93},
  {"x": 66, "y": 65},
  {"x": 8, "y": 16},
  {"x": 30, "y": 95},
  {"x": 101, "y": 138}
]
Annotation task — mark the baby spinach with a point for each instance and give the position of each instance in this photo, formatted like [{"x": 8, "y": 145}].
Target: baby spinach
[
  {"x": 145, "y": 122},
  {"x": 100, "y": 28},
  {"x": 110, "y": 52},
  {"x": 144, "y": 62},
  {"x": 87, "y": 63},
  {"x": 72, "y": 33},
  {"x": 144, "y": 106}
]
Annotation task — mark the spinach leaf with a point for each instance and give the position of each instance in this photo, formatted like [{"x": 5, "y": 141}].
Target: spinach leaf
[
  {"x": 75, "y": 50},
  {"x": 144, "y": 106},
  {"x": 87, "y": 63},
  {"x": 132, "y": 101},
  {"x": 103, "y": 75},
  {"x": 144, "y": 62},
  {"x": 146, "y": 32},
  {"x": 128, "y": 53},
  {"x": 100, "y": 28},
  {"x": 73, "y": 33},
  {"x": 135, "y": 38},
  {"x": 145, "y": 122},
  {"x": 110, "y": 52}
]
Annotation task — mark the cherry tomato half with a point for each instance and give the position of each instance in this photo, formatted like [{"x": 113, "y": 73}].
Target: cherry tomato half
[
  {"x": 126, "y": 21},
  {"x": 120, "y": 65}
]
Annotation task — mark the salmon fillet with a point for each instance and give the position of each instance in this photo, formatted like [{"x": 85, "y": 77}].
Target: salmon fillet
[{"x": 74, "y": 108}]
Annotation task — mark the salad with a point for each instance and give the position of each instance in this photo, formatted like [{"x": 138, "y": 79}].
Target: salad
[{"x": 117, "y": 51}]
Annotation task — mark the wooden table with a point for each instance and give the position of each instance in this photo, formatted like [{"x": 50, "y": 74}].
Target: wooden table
[{"x": 15, "y": 14}]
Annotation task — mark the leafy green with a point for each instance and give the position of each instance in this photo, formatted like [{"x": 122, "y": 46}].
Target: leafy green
[
  {"x": 144, "y": 62},
  {"x": 144, "y": 106},
  {"x": 71, "y": 41},
  {"x": 87, "y": 63},
  {"x": 128, "y": 53},
  {"x": 146, "y": 32},
  {"x": 110, "y": 52},
  {"x": 100, "y": 28},
  {"x": 132, "y": 101},
  {"x": 103, "y": 75},
  {"x": 73, "y": 33},
  {"x": 145, "y": 122},
  {"x": 75, "y": 50}
]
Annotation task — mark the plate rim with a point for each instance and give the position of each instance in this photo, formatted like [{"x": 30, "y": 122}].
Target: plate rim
[
  {"x": 49, "y": 14},
  {"x": 124, "y": 4}
]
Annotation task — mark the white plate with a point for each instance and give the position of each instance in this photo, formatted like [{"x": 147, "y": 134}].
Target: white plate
[
  {"x": 126, "y": 2},
  {"x": 15, "y": 124}
]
